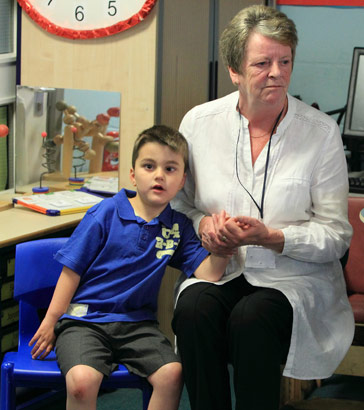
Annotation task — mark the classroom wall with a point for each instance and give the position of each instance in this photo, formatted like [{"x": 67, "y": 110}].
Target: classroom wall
[
  {"x": 327, "y": 36},
  {"x": 127, "y": 63},
  {"x": 124, "y": 62}
]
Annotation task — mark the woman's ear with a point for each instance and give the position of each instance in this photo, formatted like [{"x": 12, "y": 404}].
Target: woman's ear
[
  {"x": 132, "y": 176},
  {"x": 234, "y": 76}
]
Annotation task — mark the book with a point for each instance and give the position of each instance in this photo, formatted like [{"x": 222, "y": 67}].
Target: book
[
  {"x": 102, "y": 185},
  {"x": 59, "y": 202}
]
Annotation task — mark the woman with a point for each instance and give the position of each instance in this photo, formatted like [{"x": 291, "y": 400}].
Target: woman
[{"x": 277, "y": 167}]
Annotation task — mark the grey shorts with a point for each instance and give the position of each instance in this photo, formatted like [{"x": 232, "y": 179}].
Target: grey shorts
[{"x": 140, "y": 346}]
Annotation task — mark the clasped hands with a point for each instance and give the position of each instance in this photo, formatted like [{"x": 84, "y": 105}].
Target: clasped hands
[{"x": 222, "y": 235}]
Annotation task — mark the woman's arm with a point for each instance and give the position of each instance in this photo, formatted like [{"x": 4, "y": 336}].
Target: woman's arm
[{"x": 44, "y": 337}]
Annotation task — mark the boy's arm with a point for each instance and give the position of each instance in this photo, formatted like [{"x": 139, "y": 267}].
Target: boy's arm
[
  {"x": 44, "y": 337},
  {"x": 212, "y": 268}
]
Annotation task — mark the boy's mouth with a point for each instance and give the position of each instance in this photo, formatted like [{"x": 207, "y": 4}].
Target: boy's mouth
[{"x": 158, "y": 187}]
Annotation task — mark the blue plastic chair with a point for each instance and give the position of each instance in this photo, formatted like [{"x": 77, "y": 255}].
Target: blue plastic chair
[{"x": 36, "y": 274}]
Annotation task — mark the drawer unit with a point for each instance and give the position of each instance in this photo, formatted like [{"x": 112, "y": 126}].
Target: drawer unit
[{"x": 9, "y": 309}]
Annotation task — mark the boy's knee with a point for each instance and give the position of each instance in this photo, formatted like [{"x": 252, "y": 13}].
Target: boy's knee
[
  {"x": 83, "y": 382},
  {"x": 168, "y": 376}
]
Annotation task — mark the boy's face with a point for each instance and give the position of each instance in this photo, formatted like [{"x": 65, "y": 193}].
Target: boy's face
[{"x": 158, "y": 175}]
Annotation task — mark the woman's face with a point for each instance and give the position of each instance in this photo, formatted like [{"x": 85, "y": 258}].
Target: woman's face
[{"x": 266, "y": 71}]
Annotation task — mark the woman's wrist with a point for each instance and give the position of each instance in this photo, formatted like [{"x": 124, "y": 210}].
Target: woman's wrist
[{"x": 274, "y": 240}]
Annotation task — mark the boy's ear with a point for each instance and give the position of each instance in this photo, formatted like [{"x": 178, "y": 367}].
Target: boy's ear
[
  {"x": 183, "y": 181},
  {"x": 132, "y": 176}
]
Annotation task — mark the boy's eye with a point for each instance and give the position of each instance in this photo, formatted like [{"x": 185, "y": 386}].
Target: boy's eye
[
  {"x": 148, "y": 166},
  {"x": 170, "y": 169}
]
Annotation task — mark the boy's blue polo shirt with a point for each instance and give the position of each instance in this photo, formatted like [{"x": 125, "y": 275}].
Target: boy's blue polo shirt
[{"x": 121, "y": 259}]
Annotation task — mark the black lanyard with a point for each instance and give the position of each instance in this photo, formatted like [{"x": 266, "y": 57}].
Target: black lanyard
[{"x": 260, "y": 208}]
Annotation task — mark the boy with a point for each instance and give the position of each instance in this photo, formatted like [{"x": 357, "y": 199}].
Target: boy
[{"x": 104, "y": 305}]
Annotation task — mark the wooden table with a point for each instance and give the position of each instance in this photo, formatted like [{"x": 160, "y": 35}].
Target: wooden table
[{"x": 19, "y": 224}]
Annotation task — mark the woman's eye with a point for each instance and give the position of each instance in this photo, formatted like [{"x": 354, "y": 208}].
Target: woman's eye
[{"x": 286, "y": 62}]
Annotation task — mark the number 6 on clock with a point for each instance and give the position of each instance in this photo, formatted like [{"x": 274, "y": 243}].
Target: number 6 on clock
[{"x": 91, "y": 19}]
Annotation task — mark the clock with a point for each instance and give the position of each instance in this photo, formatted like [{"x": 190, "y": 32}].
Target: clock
[{"x": 79, "y": 19}]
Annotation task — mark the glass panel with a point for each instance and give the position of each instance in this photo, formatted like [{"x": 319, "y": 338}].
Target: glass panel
[
  {"x": 6, "y": 26},
  {"x": 65, "y": 138},
  {"x": 3, "y": 150},
  {"x": 357, "y": 119}
]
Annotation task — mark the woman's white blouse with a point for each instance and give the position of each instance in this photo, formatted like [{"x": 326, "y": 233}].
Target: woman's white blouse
[{"x": 306, "y": 197}]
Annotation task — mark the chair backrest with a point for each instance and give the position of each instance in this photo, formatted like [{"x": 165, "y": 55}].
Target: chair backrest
[
  {"x": 36, "y": 271},
  {"x": 354, "y": 269},
  {"x": 36, "y": 274}
]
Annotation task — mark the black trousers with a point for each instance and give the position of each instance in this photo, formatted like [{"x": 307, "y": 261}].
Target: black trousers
[{"x": 237, "y": 323}]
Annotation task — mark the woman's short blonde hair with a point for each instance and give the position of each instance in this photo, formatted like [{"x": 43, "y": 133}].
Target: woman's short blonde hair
[{"x": 258, "y": 19}]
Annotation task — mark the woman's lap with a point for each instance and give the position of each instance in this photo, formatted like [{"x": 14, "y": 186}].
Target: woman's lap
[{"x": 247, "y": 326}]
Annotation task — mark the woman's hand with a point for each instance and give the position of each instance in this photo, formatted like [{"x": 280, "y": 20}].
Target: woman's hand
[
  {"x": 222, "y": 234},
  {"x": 241, "y": 230},
  {"x": 244, "y": 230}
]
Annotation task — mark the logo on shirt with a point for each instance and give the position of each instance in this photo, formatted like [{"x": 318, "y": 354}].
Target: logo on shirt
[{"x": 169, "y": 241}]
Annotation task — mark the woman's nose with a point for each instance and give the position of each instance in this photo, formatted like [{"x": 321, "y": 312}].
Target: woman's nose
[{"x": 275, "y": 70}]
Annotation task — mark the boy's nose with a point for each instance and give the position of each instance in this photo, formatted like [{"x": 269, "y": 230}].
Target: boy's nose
[{"x": 159, "y": 173}]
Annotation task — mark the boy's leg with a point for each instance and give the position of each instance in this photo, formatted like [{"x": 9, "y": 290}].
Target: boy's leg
[
  {"x": 84, "y": 356},
  {"x": 167, "y": 387},
  {"x": 147, "y": 352},
  {"x": 83, "y": 384}
]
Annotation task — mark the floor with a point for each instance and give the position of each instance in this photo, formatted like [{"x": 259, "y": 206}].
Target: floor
[{"x": 336, "y": 393}]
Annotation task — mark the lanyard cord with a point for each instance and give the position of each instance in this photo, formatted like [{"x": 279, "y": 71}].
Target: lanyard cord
[{"x": 260, "y": 208}]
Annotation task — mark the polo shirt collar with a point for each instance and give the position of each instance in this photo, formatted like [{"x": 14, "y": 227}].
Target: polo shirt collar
[{"x": 126, "y": 211}]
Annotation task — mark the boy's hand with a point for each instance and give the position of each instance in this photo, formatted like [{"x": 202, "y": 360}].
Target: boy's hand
[
  {"x": 211, "y": 237},
  {"x": 44, "y": 339}
]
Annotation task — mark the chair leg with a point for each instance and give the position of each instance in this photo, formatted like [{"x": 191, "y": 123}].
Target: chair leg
[
  {"x": 147, "y": 391},
  {"x": 7, "y": 386}
]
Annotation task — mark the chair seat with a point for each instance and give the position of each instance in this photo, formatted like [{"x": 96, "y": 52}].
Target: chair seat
[
  {"x": 28, "y": 370},
  {"x": 357, "y": 303}
]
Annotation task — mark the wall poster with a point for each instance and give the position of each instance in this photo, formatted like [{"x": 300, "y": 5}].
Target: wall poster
[{"x": 347, "y": 3}]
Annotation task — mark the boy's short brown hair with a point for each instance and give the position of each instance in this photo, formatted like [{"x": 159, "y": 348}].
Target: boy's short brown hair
[{"x": 165, "y": 136}]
